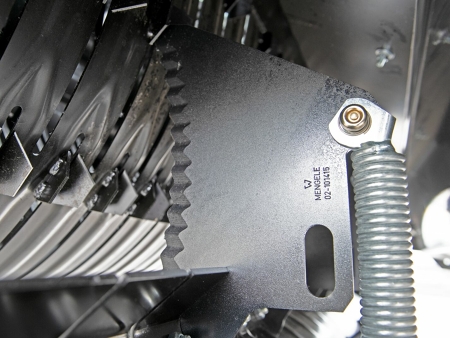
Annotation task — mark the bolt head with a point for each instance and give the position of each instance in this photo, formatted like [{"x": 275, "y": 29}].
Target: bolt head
[
  {"x": 90, "y": 204},
  {"x": 55, "y": 167},
  {"x": 108, "y": 179},
  {"x": 39, "y": 191},
  {"x": 146, "y": 189},
  {"x": 384, "y": 55},
  {"x": 354, "y": 120}
]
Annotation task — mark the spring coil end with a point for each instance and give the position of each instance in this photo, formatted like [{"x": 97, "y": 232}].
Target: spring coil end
[{"x": 384, "y": 241}]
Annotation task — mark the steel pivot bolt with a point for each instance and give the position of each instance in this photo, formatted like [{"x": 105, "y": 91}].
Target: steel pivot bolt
[
  {"x": 354, "y": 120},
  {"x": 384, "y": 55},
  {"x": 359, "y": 121},
  {"x": 39, "y": 191},
  {"x": 56, "y": 166},
  {"x": 90, "y": 204},
  {"x": 108, "y": 178}
]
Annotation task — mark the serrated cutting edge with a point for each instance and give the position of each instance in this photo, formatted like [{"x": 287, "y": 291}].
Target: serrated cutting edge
[{"x": 181, "y": 181}]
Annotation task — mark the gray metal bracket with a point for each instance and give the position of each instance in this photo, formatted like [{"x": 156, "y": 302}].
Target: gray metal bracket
[
  {"x": 77, "y": 187},
  {"x": 14, "y": 166}
]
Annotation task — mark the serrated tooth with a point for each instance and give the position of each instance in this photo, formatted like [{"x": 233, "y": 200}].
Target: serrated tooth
[{"x": 181, "y": 180}]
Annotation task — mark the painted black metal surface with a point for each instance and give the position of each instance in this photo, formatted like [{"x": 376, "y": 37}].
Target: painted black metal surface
[
  {"x": 103, "y": 89},
  {"x": 10, "y": 13},
  {"x": 40, "y": 59},
  {"x": 108, "y": 80},
  {"x": 255, "y": 168},
  {"x": 99, "y": 306},
  {"x": 5, "y": 9},
  {"x": 92, "y": 112},
  {"x": 88, "y": 101},
  {"x": 37, "y": 66},
  {"x": 139, "y": 130},
  {"x": 155, "y": 159}
]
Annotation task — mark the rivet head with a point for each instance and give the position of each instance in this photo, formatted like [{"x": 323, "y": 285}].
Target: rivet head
[{"x": 354, "y": 120}]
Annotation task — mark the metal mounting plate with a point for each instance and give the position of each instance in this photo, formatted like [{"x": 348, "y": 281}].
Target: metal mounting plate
[{"x": 257, "y": 127}]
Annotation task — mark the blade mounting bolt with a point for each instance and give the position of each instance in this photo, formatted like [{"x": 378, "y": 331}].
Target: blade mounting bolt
[{"x": 354, "y": 120}]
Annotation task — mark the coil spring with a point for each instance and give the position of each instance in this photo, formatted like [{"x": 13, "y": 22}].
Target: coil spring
[{"x": 384, "y": 241}]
